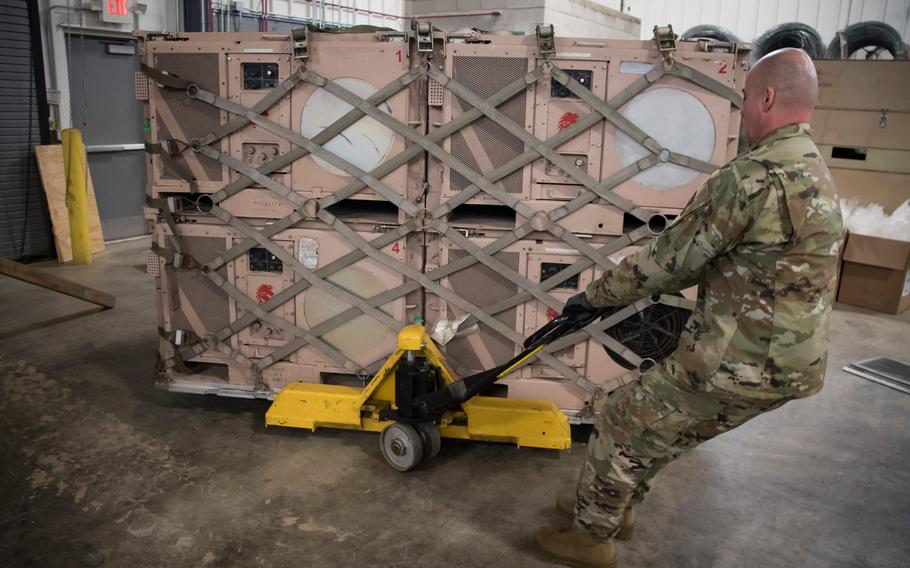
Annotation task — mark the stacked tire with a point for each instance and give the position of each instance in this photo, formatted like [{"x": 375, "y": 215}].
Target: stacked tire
[{"x": 863, "y": 36}]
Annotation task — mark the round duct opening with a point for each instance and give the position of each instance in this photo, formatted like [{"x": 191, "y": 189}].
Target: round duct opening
[
  {"x": 679, "y": 122},
  {"x": 365, "y": 144},
  {"x": 360, "y": 333}
]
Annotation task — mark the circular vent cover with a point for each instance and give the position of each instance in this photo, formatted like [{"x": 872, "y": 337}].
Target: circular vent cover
[
  {"x": 652, "y": 333},
  {"x": 364, "y": 144},
  {"x": 677, "y": 120},
  {"x": 362, "y": 332}
]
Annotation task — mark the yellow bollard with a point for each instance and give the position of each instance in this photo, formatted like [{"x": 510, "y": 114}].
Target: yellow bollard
[{"x": 76, "y": 170}]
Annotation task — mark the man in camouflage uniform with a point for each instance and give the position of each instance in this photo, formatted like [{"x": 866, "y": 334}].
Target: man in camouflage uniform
[{"x": 760, "y": 239}]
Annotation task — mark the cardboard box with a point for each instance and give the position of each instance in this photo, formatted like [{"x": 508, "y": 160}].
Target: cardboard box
[
  {"x": 863, "y": 132},
  {"x": 875, "y": 274},
  {"x": 885, "y": 84}
]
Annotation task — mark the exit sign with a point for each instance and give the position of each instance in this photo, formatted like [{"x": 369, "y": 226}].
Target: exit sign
[{"x": 116, "y": 11}]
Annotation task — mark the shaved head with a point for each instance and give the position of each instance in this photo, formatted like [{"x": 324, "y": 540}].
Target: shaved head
[
  {"x": 781, "y": 89},
  {"x": 791, "y": 74}
]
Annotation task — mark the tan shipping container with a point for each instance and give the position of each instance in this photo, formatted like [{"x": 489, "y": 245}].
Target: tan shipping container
[{"x": 313, "y": 193}]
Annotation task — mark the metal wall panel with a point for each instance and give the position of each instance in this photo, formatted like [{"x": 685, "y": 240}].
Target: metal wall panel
[
  {"x": 748, "y": 19},
  {"x": 23, "y": 211},
  {"x": 110, "y": 116},
  {"x": 342, "y": 13}
]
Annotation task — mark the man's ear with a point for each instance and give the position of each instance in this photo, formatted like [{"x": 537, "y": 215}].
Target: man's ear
[{"x": 769, "y": 98}]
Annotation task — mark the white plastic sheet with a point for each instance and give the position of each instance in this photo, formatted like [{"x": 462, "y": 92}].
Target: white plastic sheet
[
  {"x": 446, "y": 330},
  {"x": 873, "y": 221}
]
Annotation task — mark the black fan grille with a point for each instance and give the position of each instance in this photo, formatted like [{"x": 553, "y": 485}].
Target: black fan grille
[{"x": 652, "y": 333}]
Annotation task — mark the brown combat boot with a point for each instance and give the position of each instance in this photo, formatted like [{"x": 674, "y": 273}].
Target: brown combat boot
[
  {"x": 574, "y": 547},
  {"x": 566, "y": 504}
]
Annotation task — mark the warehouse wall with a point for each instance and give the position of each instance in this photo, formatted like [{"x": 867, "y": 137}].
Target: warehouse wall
[
  {"x": 748, "y": 19},
  {"x": 84, "y": 17},
  {"x": 385, "y": 13},
  {"x": 579, "y": 18},
  {"x": 24, "y": 223},
  {"x": 245, "y": 15},
  {"x": 518, "y": 15},
  {"x": 585, "y": 18}
]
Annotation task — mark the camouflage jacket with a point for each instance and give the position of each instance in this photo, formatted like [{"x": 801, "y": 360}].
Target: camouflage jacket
[{"x": 761, "y": 241}]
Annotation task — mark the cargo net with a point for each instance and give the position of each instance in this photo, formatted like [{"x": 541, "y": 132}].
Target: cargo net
[{"x": 633, "y": 333}]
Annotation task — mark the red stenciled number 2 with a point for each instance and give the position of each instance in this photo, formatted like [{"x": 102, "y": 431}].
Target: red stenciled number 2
[{"x": 723, "y": 69}]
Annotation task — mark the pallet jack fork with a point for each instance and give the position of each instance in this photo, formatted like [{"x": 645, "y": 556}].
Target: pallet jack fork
[{"x": 415, "y": 399}]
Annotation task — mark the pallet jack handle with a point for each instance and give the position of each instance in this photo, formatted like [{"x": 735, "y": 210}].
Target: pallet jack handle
[{"x": 455, "y": 393}]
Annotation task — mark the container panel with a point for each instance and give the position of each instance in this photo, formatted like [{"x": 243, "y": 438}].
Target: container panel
[{"x": 295, "y": 237}]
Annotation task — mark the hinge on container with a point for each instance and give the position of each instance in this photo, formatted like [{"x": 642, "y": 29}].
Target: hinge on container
[
  {"x": 471, "y": 36},
  {"x": 301, "y": 43},
  {"x": 140, "y": 86},
  {"x": 423, "y": 31},
  {"x": 152, "y": 264},
  {"x": 169, "y": 147},
  {"x": 435, "y": 93},
  {"x": 713, "y": 46},
  {"x": 164, "y": 36},
  {"x": 178, "y": 337},
  {"x": 666, "y": 41},
  {"x": 382, "y": 228},
  {"x": 173, "y": 204},
  {"x": 468, "y": 232},
  {"x": 546, "y": 39}
]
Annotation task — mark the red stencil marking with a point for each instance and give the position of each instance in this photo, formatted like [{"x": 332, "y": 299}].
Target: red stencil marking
[
  {"x": 264, "y": 293},
  {"x": 567, "y": 120}
]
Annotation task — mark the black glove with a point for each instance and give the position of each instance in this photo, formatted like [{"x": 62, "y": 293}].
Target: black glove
[{"x": 577, "y": 304}]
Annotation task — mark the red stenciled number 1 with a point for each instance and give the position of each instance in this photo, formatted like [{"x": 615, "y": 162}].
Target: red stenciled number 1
[{"x": 398, "y": 53}]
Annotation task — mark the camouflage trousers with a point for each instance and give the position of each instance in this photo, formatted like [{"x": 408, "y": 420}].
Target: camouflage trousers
[{"x": 644, "y": 426}]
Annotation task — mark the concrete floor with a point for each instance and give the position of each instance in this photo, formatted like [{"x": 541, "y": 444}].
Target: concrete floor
[{"x": 98, "y": 468}]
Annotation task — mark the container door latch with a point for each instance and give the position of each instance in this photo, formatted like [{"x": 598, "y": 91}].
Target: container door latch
[
  {"x": 423, "y": 30},
  {"x": 546, "y": 39},
  {"x": 666, "y": 41},
  {"x": 301, "y": 43}
]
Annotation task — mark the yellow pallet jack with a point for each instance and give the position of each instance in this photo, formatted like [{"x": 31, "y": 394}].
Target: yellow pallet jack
[{"x": 415, "y": 399}]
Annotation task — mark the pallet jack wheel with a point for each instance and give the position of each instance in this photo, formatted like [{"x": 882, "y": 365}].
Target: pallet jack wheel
[
  {"x": 432, "y": 441},
  {"x": 401, "y": 446}
]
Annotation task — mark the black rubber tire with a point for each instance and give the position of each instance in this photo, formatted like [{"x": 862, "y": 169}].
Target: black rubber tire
[
  {"x": 868, "y": 34},
  {"x": 432, "y": 441},
  {"x": 791, "y": 34},
  {"x": 707, "y": 31}
]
